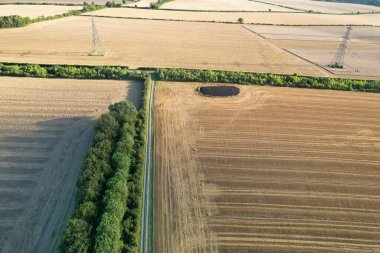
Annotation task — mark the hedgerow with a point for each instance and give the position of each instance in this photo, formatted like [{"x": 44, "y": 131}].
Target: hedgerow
[{"x": 191, "y": 75}]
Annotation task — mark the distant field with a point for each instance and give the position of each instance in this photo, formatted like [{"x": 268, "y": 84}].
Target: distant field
[
  {"x": 143, "y": 43},
  {"x": 326, "y": 7},
  {"x": 270, "y": 170},
  {"x": 142, "y": 3},
  {"x": 34, "y": 11},
  {"x": 257, "y": 18},
  {"x": 222, "y": 5},
  {"x": 319, "y": 44},
  {"x": 46, "y": 127},
  {"x": 58, "y": 1}
]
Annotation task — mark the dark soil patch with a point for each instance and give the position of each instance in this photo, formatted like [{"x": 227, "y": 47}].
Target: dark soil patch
[{"x": 218, "y": 91}]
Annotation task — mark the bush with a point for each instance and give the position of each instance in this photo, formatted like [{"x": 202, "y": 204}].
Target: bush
[{"x": 14, "y": 21}]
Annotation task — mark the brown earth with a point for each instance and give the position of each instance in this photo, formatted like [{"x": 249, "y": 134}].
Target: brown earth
[
  {"x": 34, "y": 11},
  {"x": 270, "y": 170},
  {"x": 46, "y": 127},
  {"x": 144, "y": 43}
]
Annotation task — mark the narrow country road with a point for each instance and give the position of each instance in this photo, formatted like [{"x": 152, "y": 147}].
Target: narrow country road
[{"x": 147, "y": 205}]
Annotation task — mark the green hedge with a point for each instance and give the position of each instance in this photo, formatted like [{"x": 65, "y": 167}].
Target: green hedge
[
  {"x": 13, "y": 21},
  {"x": 70, "y": 71},
  {"x": 158, "y": 4},
  {"x": 186, "y": 75},
  {"x": 132, "y": 218}
]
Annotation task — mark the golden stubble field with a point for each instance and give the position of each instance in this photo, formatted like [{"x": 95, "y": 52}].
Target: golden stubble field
[
  {"x": 276, "y": 18},
  {"x": 270, "y": 170},
  {"x": 222, "y": 5},
  {"x": 325, "y": 7},
  {"x": 46, "y": 127},
  {"x": 320, "y": 43},
  {"x": 35, "y": 11},
  {"x": 145, "y": 43}
]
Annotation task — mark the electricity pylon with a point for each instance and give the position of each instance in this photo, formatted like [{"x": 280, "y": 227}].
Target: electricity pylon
[
  {"x": 97, "y": 47},
  {"x": 337, "y": 61}
]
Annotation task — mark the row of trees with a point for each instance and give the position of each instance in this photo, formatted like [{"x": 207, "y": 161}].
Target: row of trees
[
  {"x": 158, "y": 4},
  {"x": 107, "y": 217},
  {"x": 17, "y": 21},
  {"x": 13, "y": 21},
  {"x": 188, "y": 75},
  {"x": 70, "y": 71}
]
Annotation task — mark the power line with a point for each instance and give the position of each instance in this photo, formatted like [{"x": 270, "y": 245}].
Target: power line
[
  {"x": 337, "y": 61},
  {"x": 97, "y": 47}
]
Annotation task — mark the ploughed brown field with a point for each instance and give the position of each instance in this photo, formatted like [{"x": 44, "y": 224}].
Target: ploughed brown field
[
  {"x": 46, "y": 127},
  {"x": 269, "y": 170},
  {"x": 146, "y": 43}
]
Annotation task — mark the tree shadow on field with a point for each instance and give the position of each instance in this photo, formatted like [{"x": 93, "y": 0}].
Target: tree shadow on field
[{"x": 39, "y": 165}]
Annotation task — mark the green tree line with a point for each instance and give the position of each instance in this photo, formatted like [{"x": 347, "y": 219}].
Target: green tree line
[
  {"x": 107, "y": 217},
  {"x": 70, "y": 71},
  {"x": 192, "y": 75},
  {"x": 158, "y": 4}
]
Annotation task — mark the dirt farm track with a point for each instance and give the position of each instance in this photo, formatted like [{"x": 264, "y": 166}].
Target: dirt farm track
[
  {"x": 269, "y": 170},
  {"x": 46, "y": 127}
]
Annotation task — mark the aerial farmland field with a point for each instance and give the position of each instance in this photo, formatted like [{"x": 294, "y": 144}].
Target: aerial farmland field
[
  {"x": 319, "y": 44},
  {"x": 269, "y": 170},
  {"x": 324, "y": 7},
  {"x": 222, "y": 5},
  {"x": 141, "y": 43},
  {"x": 35, "y": 11},
  {"x": 248, "y": 17},
  {"x": 77, "y": 2},
  {"x": 46, "y": 127}
]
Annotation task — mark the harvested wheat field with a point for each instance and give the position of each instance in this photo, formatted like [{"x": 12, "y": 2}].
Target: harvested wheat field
[
  {"x": 319, "y": 44},
  {"x": 249, "y": 18},
  {"x": 269, "y": 170},
  {"x": 144, "y": 43},
  {"x": 46, "y": 127},
  {"x": 76, "y": 2},
  {"x": 222, "y": 5},
  {"x": 324, "y": 7},
  {"x": 35, "y": 11},
  {"x": 142, "y": 3}
]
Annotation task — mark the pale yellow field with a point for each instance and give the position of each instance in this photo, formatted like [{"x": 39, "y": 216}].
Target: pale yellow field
[
  {"x": 143, "y": 43},
  {"x": 221, "y": 5},
  {"x": 59, "y": 1},
  {"x": 281, "y": 170},
  {"x": 319, "y": 45},
  {"x": 142, "y": 3},
  {"x": 34, "y": 11},
  {"x": 46, "y": 127},
  {"x": 326, "y": 7},
  {"x": 255, "y": 18}
]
